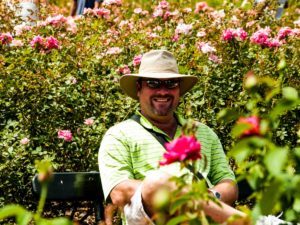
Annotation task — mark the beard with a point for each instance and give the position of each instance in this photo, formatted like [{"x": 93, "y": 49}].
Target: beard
[{"x": 162, "y": 105}]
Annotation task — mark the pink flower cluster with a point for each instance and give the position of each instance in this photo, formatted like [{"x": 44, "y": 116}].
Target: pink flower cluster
[
  {"x": 44, "y": 44},
  {"x": 162, "y": 10},
  {"x": 60, "y": 21},
  {"x": 124, "y": 70},
  {"x": 182, "y": 149},
  {"x": 285, "y": 32},
  {"x": 137, "y": 60},
  {"x": 238, "y": 34},
  {"x": 24, "y": 141},
  {"x": 19, "y": 29},
  {"x": 89, "y": 121},
  {"x": 65, "y": 134},
  {"x": 205, "y": 47},
  {"x": 201, "y": 7},
  {"x": 261, "y": 36},
  {"x": 99, "y": 12},
  {"x": 113, "y": 51},
  {"x": 254, "y": 126},
  {"x": 183, "y": 28},
  {"x": 140, "y": 11},
  {"x": 5, "y": 38},
  {"x": 112, "y": 2}
]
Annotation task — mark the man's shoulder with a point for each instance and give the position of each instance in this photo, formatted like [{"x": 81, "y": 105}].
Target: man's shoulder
[
  {"x": 127, "y": 124},
  {"x": 205, "y": 129}
]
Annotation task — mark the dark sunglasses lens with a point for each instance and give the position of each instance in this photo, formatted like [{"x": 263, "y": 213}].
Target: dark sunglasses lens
[
  {"x": 171, "y": 83},
  {"x": 153, "y": 83}
]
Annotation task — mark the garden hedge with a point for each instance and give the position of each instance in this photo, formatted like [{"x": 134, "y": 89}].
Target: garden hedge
[{"x": 62, "y": 74}]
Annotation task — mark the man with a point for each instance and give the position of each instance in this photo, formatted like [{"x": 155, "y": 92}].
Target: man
[{"x": 129, "y": 152}]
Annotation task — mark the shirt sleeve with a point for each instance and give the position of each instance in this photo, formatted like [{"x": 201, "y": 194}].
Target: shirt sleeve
[
  {"x": 220, "y": 168},
  {"x": 114, "y": 161}
]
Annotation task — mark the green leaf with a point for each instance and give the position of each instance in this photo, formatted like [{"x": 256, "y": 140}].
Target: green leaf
[
  {"x": 228, "y": 115},
  {"x": 238, "y": 129},
  {"x": 296, "y": 205},
  {"x": 177, "y": 220},
  {"x": 178, "y": 203},
  {"x": 290, "y": 93},
  {"x": 270, "y": 197},
  {"x": 24, "y": 218},
  {"x": 282, "y": 107},
  {"x": 11, "y": 211},
  {"x": 275, "y": 160},
  {"x": 240, "y": 151}
]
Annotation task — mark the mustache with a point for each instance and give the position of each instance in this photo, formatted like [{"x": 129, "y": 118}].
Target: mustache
[{"x": 163, "y": 96}]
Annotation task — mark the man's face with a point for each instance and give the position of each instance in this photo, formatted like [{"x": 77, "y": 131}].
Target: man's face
[{"x": 158, "y": 98}]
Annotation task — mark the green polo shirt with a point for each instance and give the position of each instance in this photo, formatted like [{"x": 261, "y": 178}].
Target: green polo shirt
[{"x": 128, "y": 151}]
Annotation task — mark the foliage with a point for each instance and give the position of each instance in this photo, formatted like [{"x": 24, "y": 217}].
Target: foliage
[
  {"x": 23, "y": 216},
  {"x": 272, "y": 170},
  {"x": 46, "y": 90}
]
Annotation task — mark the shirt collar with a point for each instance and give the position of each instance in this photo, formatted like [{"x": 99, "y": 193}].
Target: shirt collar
[{"x": 147, "y": 124}]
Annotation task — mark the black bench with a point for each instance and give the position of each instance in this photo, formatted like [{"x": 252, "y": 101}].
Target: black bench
[{"x": 75, "y": 187}]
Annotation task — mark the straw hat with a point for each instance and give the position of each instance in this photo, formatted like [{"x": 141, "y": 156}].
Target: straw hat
[{"x": 157, "y": 64}]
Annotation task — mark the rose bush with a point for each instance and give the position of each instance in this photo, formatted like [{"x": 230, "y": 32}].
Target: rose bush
[{"x": 73, "y": 75}]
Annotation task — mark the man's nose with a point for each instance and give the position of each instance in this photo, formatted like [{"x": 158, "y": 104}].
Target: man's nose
[{"x": 163, "y": 90}]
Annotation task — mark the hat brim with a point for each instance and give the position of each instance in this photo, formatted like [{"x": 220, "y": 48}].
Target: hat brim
[{"x": 128, "y": 82}]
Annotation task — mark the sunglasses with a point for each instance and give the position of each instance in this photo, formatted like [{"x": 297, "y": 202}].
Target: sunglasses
[{"x": 169, "y": 84}]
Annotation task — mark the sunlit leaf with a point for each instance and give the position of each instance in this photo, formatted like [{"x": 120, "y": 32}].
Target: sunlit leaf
[
  {"x": 290, "y": 93},
  {"x": 275, "y": 160},
  {"x": 177, "y": 220},
  {"x": 11, "y": 211},
  {"x": 238, "y": 129},
  {"x": 228, "y": 115},
  {"x": 296, "y": 205},
  {"x": 282, "y": 107},
  {"x": 270, "y": 197}
]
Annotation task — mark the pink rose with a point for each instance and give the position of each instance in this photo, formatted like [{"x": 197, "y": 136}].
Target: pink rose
[
  {"x": 273, "y": 43},
  {"x": 205, "y": 47},
  {"x": 261, "y": 36},
  {"x": 284, "y": 32},
  {"x": 183, "y": 28},
  {"x": 5, "y": 38},
  {"x": 137, "y": 60},
  {"x": 124, "y": 70},
  {"x": 182, "y": 149},
  {"x": 102, "y": 12},
  {"x": 158, "y": 12},
  {"x": 37, "y": 42},
  {"x": 113, "y": 51},
  {"x": 238, "y": 34},
  {"x": 51, "y": 43},
  {"x": 201, "y": 6},
  {"x": 56, "y": 21},
  {"x": 24, "y": 141},
  {"x": 138, "y": 10},
  {"x": 212, "y": 57},
  {"x": 17, "y": 43},
  {"x": 228, "y": 34},
  {"x": 65, "y": 134},
  {"x": 89, "y": 121},
  {"x": 164, "y": 5},
  {"x": 253, "y": 122},
  {"x": 112, "y": 2}
]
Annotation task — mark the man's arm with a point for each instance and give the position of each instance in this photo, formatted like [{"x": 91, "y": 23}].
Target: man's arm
[
  {"x": 228, "y": 190},
  {"x": 123, "y": 192}
]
